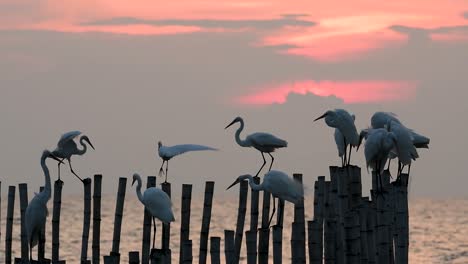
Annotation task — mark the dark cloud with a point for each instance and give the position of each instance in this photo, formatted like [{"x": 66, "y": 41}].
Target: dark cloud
[
  {"x": 414, "y": 31},
  {"x": 285, "y": 20},
  {"x": 465, "y": 15}
]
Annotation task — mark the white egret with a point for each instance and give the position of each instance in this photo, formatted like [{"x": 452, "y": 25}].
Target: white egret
[
  {"x": 168, "y": 152},
  {"x": 66, "y": 148},
  {"x": 279, "y": 184},
  {"x": 263, "y": 142},
  {"x": 405, "y": 149},
  {"x": 343, "y": 121},
  {"x": 379, "y": 144},
  {"x": 156, "y": 201},
  {"x": 36, "y": 212}
]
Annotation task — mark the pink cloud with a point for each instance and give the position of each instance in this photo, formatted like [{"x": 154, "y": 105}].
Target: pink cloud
[{"x": 349, "y": 91}]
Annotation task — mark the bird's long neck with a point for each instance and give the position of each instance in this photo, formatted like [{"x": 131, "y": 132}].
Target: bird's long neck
[
  {"x": 138, "y": 191},
  {"x": 239, "y": 141},
  {"x": 253, "y": 185},
  {"x": 85, "y": 147},
  {"x": 47, "y": 188}
]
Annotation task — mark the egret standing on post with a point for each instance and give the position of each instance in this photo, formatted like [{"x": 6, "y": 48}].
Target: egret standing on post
[
  {"x": 405, "y": 149},
  {"x": 36, "y": 212},
  {"x": 263, "y": 142},
  {"x": 343, "y": 121},
  {"x": 156, "y": 201},
  {"x": 168, "y": 152},
  {"x": 66, "y": 148},
  {"x": 279, "y": 184}
]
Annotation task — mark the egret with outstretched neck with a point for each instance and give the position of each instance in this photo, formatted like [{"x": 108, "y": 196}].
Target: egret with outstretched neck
[
  {"x": 279, "y": 184},
  {"x": 168, "y": 152},
  {"x": 66, "y": 148},
  {"x": 343, "y": 121},
  {"x": 263, "y": 142},
  {"x": 36, "y": 212},
  {"x": 156, "y": 201}
]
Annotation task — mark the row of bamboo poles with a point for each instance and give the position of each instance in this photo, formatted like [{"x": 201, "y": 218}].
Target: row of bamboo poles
[{"x": 346, "y": 228}]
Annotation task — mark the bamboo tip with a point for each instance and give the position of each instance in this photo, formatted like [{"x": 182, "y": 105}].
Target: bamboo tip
[{"x": 87, "y": 181}]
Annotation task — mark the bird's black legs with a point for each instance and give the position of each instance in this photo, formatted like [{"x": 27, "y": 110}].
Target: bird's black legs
[
  {"x": 30, "y": 251},
  {"x": 154, "y": 230},
  {"x": 349, "y": 156},
  {"x": 167, "y": 166},
  {"x": 342, "y": 161},
  {"x": 72, "y": 171},
  {"x": 161, "y": 171},
  {"x": 264, "y": 162},
  {"x": 346, "y": 152},
  {"x": 272, "y": 159},
  {"x": 273, "y": 213}
]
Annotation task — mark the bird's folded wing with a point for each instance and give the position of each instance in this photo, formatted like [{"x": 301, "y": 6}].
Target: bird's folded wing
[
  {"x": 67, "y": 137},
  {"x": 179, "y": 149},
  {"x": 266, "y": 139}
]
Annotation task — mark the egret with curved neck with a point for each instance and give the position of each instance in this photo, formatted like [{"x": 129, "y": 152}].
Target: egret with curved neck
[{"x": 263, "y": 142}]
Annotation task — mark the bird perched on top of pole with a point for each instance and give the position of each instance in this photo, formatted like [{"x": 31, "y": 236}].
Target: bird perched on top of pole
[
  {"x": 168, "y": 152},
  {"x": 66, "y": 148},
  {"x": 263, "y": 142},
  {"x": 342, "y": 121}
]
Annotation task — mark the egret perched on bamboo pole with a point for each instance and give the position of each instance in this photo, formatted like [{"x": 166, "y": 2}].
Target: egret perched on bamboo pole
[
  {"x": 156, "y": 201},
  {"x": 36, "y": 212},
  {"x": 405, "y": 149},
  {"x": 168, "y": 152},
  {"x": 263, "y": 142},
  {"x": 342, "y": 121},
  {"x": 279, "y": 184},
  {"x": 66, "y": 148}
]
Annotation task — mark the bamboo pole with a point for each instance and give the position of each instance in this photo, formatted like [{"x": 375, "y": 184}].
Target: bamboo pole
[
  {"x": 147, "y": 222},
  {"x": 134, "y": 257},
  {"x": 277, "y": 244},
  {"x": 371, "y": 232},
  {"x": 354, "y": 186},
  {"x": 187, "y": 249},
  {"x": 185, "y": 218},
  {"x": 315, "y": 231},
  {"x": 342, "y": 206},
  {"x": 229, "y": 246},
  {"x": 215, "y": 249},
  {"x": 86, "y": 219},
  {"x": 363, "y": 211},
  {"x": 242, "y": 209},
  {"x": 96, "y": 218},
  {"x": 330, "y": 240},
  {"x": 353, "y": 241},
  {"x": 58, "y": 184},
  {"x": 166, "y": 229},
  {"x": 118, "y": 216},
  {"x": 23, "y": 192},
  {"x": 9, "y": 223},
  {"x": 41, "y": 244},
  {"x": 206, "y": 219},
  {"x": 382, "y": 230},
  {"x": 264, "y": 232},
  {"x": 251, "y": 245},
  {"x": 402, "y": 221},
  {"x": 299, "y": 228},
  {"x": 320, "y": 206}
]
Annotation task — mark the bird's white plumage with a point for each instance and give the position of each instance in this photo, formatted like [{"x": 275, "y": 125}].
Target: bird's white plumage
[
  {"x": 405, "y": 149},
  {"x": 168, "y": 152},
  {"x": 381, "y": 119},
  {"x": 67, "y": 138},
  {"x": 340, "y": 144},
  {"x": 265, "y": 142},
  {"x": 379, "y": 143}
]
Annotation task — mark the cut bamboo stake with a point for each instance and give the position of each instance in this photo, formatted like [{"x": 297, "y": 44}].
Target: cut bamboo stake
[
  {"x": 314, "y": 229},
  {"x": 96, "y": 218},
  {"x": 187, "y": 257},
  {"x": 166, "y": 228},
  {"x": 382, "y": 229},
  {"x": 41, "y": 244},
  {"x": 229, "y": 246},
  {"x": 9, "y": 223},
  {"x": 58, "y": 184},
  {"x": 372, "y": 232},
  {"x": 354, "y": 186},
  {"x": 206, "y": 218},
  {"x": 299, "y": 229},
  {"x": 251, "y": 245},
  {"x": 342, "y": 206},
  {"x": 134, "y": 257},
  {"x": 277, "y": 244},
  {"x": 242, "y": 209},
  {"x": 185, "y": 218},
  {"x": 215, "y": 245},
  {"x": 402, "y": 221},
  {"x": 330, "y": 241},
  {"x": 86, "y": 219},
  {"x": 363, "y": 211},
  {"x": 264, "y": 232},
  {"x": 319, "y": 215},
  {"x": 147, "y": 222},
  {"x": 23, "y": 192},
  {"x": 353, "y": 241},
  {"x": 118, "y": 216}
]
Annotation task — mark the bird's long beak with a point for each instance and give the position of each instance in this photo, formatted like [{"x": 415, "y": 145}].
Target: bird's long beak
[
  {"x": 359, "y": 144},
  {"x": 55, "y": 158},
  {"x": 133, "y": 182},
  {"x": 320, "y": 117},
  {"x": 230, "y": 124},
  {"x": 90, "y": 144},
  {"x": 234, "y": 183}
]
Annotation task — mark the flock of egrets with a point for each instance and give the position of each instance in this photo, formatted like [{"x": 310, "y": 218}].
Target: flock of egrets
[{"x": 386, "y": 139}]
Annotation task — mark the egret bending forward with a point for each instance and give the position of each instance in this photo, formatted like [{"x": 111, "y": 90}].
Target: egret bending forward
[
  {"x": 36, "y": 212},
  {"x": 156, "y": 201},
  {"x": 263, "y": 142},
  {"x": 168, "y": 152},
  {"x": 66, "y": 148},
  {"x": 279, "y": 184}
]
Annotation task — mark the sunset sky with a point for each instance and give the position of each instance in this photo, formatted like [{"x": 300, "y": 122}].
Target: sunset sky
[{"x": 130, "y": 73}]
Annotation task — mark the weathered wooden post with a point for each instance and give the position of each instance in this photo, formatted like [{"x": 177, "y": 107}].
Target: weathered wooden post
[
  {"x": 317, "y": 225},
  {"x": 187, "y": 257},
  {"x": 58, "y": 184},
  {"x": 383, "y": 232},
  {"x": 340, "y": 175},
  {"x": 229, "y": 246},
  {"x": 363, "y": 211},
  {"x": 251, "y": 237},
  {"x": 115, "y": 253},
  {"x": 215, "y": 245},
  {"x": 9, "y": 223},
  {"x": 251, "y": 245},
  {"x": 23, "y": 192},
  {"x": 134, "y": 257},
  {"x": 242, "y": 209},
  {"x": 166, "y": 229},
  {"x": 264, "y": 232},
  {"x": 330, "y": 240},
  {"x": 372, "y": 231},
  {"x": 278, "y": 233},
  {"x": 298, "y": 230},
  {"x": 353, "y": 241},
  {"x": 147, "y": 222},
  {"x": 402, "y": 220},
  {"x": 185, "y": 218},
  {"x": 315, "y": 234},
  {"x": 206, "y": 219},
  {"x": 96, "y": 248},
  {"x": 86, "y": 220}
]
